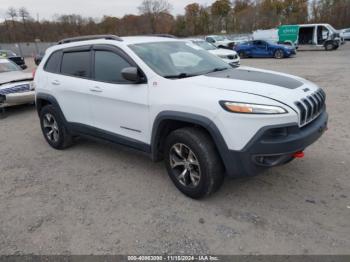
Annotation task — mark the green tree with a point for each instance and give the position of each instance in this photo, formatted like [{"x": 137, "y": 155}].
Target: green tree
[{"x": 220, "y": 10}]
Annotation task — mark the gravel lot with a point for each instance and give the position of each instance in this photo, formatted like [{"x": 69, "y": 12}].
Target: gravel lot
[{"x": 97, "y": 198}]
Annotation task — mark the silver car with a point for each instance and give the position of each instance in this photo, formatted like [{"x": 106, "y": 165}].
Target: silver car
[{"x": 16, "y": 86}]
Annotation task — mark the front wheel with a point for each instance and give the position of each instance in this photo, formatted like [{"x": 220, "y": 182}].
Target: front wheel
[
  {"x": 279, "y": 54},
  {"x": 329, "y": 47},
  {"x": 193, "y": 162}
]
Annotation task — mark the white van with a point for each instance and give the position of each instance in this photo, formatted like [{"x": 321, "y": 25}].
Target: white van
[{"x": 304, "y": 37}]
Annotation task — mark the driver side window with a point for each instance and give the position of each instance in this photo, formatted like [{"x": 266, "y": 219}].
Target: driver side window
[{"x": 108, "y": 67}]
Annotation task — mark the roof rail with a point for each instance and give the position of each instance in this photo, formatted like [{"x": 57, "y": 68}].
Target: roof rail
[
  {"x": 89, "y": 37},
  {"x": 162, "y": 35}
]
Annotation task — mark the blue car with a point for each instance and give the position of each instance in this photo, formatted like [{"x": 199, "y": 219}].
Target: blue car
[{"x": 261, "y": 48}]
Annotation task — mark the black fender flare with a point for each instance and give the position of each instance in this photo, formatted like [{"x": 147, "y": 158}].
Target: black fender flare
[
  {"x": 52, "y": 100},
  {"x": 195, "y": 119}
]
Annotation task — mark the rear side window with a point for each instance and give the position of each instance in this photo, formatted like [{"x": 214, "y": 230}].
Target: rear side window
[
  {"x": 108, "y": 67},
  {"x": 52, "y": 64},
  {"x": 76, "y": 64}
]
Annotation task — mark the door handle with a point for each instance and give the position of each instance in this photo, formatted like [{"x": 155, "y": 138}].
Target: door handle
[
  {"x": 56, "y": 82},
  {"x": 96, "y": 89}
]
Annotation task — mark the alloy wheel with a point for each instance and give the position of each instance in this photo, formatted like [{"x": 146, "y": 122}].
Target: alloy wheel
[
  {"x": 51, "y": 128},
  {"x": 279, "y": 54},
  {"x": 185, "y": 165}
]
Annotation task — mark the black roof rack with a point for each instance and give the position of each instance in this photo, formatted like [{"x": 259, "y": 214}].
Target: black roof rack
[
  {"x": 162, "y": 35},
  {"x": 89, "y": 37}
]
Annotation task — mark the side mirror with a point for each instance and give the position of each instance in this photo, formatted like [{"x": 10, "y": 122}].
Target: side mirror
[
  {"x": 132, "y": 74},
  {"x": 24, "y": 67}
]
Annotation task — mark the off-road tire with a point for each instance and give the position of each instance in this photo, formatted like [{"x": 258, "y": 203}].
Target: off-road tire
[
  {"x": 65, "y": 139},
  {"x": 210, "y": 164}
]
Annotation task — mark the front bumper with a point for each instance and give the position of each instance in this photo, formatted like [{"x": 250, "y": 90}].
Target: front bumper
[
  {"x": 17, "y": 99},
  {"x": 273, "y": 146}
]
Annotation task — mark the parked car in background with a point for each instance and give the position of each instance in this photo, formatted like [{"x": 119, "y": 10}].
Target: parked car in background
[
  {"x": 241, "y": 39},
  {"x": 13, "y": 57},
  {"x": 220, "y": 41},
  {"x": 261, "y": 48},
  {"x": 303, "y": 37},
  {"x": 345, "y": 34},
  {"x": 229, "y": 56},
  {"x": 38, "y": 57},
  {"x": 16, "y": 86}
]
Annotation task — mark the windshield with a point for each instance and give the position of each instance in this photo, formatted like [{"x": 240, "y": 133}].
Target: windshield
[
  {"x": 178, "y": 59},
  {"x": 7, "y": 66},
  {"x": 219, "y": 38},
  {"x": 205, "y": 45}
]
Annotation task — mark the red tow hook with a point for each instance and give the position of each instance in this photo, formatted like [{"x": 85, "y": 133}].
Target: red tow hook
[{"x": 299, "y": 154}]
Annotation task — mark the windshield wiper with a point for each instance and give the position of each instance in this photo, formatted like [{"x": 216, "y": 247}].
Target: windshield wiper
[{"x": 181, "y": 75}]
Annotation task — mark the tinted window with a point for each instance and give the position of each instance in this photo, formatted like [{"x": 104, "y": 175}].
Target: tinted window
[
  {"x": 108, "y": 67},
  {"x": 53, "y": 62},
  {"x": 76, "y": 64}
]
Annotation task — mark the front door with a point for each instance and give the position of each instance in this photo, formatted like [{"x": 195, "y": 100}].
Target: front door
[
  {"x": 119, "y": 107},
  {"x": 260, "y": 49}
]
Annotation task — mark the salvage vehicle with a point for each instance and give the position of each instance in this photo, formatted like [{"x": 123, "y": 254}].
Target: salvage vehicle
[
  {"x": 229, "y": 56},
  {"x": 173, "y": 101},
  {"x": 16, "y": 86},
  {"x": 13, "y": 57},
  {"x": 261, "y": 48},
  {"x": 220, "y": 41}
]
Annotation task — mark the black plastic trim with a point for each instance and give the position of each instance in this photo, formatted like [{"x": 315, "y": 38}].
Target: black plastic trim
[
  {"x": 93, "y": 132},
  {"x": 202, "y": 121}
]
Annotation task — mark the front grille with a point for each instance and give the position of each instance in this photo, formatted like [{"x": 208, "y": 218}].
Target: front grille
[
  {"x": 311, "y": 107},
  {"x": 15, "y": 89}
]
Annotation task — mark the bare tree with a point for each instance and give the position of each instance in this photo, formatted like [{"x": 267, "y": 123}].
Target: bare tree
[
  {"x": 23, "y": 14},
  {"x": 153, "y": 10},
  {"x": 12, "y": 13}
]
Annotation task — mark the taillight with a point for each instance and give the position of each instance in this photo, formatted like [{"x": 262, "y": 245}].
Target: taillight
[{"x": 33, "y": 73}]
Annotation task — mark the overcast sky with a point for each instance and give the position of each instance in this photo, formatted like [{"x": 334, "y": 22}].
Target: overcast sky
[{"x": 96, "y": 8}]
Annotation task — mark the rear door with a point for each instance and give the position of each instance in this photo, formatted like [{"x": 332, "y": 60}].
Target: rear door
[
  {"x": 119, "y": 107},
  {"x": 70, "y": 85}
]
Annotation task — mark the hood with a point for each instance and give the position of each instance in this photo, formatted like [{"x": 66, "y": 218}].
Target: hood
[
  {"x": 284, "y": 88},
  {"x": 15, "y": 76},
  {"x": 223, "y": 52}
]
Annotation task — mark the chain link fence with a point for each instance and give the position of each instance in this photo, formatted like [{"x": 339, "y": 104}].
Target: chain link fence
[{"x": 29, "y": 49}]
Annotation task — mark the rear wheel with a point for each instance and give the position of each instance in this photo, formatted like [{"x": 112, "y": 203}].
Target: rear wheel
[
  {"x": 279, "y": 54},
  {"x": 193, "y": 163},
  {"x": 53, "y": 128}
]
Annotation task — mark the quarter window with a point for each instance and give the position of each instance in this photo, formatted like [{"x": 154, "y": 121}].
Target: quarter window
[
  {"x": 108, "y": 67},
  {"x": 76, "y": 64}
]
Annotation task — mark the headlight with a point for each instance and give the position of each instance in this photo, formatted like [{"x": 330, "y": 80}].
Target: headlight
[{"x": 245, "y": 108}]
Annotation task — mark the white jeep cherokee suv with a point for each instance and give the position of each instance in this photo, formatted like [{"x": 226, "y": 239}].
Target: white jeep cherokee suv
[{"x": 172, "y": 100}]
